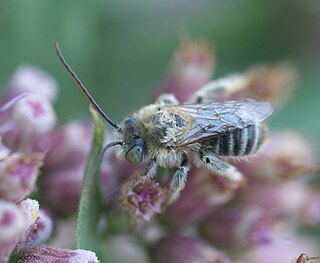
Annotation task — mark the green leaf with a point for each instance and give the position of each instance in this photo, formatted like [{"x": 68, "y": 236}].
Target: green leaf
[{"x": 90, "y": 206}]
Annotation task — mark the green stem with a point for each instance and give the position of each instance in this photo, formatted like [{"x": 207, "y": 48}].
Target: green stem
[{"x": 90, "y": 207}]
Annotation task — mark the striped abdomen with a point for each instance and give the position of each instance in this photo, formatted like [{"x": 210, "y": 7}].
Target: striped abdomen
[{"x": 237, "y": 143}]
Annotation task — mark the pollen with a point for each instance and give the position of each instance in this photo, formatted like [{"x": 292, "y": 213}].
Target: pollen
[{"x": 34, "y": 216}]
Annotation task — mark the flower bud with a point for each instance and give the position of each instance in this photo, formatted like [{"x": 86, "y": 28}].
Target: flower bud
[
  {"x": 32, "y": 118},
  {"x": 69, "y": 145},
  {"x": 12, "y": 226},
  {"x": 239, "y": 227},
  {"x": 64, "y": 234},
  {"x": 203, "y": 194},
  {"x": 109, "y": 181},
  {"x": 33, "y": 80},
  {"x": 285, "y": 156},
  {"x": 281, "y": 250},
  {"x": 187, "y": 250},
  {"x": 46, "y": 254},
  {"x": 34, "y": 114},
  {"x": 18, "y": 175},
  {"x": 4, "y": 151},
  {"x": 145, "y": 199},
  {"x": 61, "y": 189},
  {"x": 191, "y": 68},
  {"x": 43, "y": 229},
  {"x": 15, "y": 226},
  {"x": 7, "y": 106},
  {"x": 30, "y": 211},
  {"x": 293, "y": 202},
  {"x": 270, "y": 83},
  {"x": 310, "y": 210},
  {"x": 124, "y": 249}
]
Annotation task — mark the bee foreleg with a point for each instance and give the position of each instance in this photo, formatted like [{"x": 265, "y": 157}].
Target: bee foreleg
[
  {"x": 150, "y": 170},
  {"x": 220, "y": 167},
  {"x": 179, "y": 180},
  {"x": 147, "y": 173},
  {"x": 166, "y": 99}
]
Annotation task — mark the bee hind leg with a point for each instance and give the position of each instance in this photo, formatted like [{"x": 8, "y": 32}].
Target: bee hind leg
[
  {"x": 219, "y": 88},
  {"x": 179, "y": 180},
  {"x": 220, "y": 167},
  {"x": 166, "y": 99}
]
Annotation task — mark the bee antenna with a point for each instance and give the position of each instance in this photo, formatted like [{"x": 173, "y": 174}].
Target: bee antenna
[
  {"x": 99, "y": 158},
  {"x": 83, "y": 88},
  {"x": 111, "y": 144},
  {"x": 105, "y": 148}
]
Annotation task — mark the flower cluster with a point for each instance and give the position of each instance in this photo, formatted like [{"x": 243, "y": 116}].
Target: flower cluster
[
  {"x": 31, "y": 146},
  {"x": 214, "y": 220}
]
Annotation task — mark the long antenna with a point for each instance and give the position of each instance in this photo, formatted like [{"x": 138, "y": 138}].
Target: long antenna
[{"x": 83, "y": 89}]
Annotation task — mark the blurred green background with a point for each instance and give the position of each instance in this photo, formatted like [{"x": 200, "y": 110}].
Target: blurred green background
[{"x": 121, "y": 49}]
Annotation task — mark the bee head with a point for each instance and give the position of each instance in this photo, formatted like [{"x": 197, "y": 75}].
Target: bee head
[{"x": 135, "y": 151}]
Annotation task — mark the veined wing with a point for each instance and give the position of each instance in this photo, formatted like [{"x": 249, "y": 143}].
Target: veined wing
[{"x": 211, "y": 119}]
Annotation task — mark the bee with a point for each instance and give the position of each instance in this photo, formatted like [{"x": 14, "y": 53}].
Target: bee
[
  {"x": 172, "y": 135},
  {"x": 303, "y": 258}
]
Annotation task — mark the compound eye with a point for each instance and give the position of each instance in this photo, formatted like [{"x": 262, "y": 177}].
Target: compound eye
[{"x": 134, "y": 155}]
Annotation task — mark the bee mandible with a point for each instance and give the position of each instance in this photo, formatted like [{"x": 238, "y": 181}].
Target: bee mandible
[{"x": 172, "y": 135}]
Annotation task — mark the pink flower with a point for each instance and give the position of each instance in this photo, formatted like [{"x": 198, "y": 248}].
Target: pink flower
[
  {"x": 294, "y": 202},
  {"x": 61, "y": 189},
  {"x": 4, "y": 151},
  {"x": 33, "y": 80},
  {"x": 68, "y": 148},
  {"x": 68, "y": 145},
  {"x": 271, "y": 83},
  {"x": 42, "y": 230},
  {"x": 109, "y": 181},
  {"x": 34, "y": 113},
  {"x": 281, "y": 250},
  {"x": 12, "y": 226},
  {"x": 145, "y": 200},
  {"x": 187, "y": 250},
  {"x": 125, "y": 248},
  {"x": 16, "y": 222},
  {"x": 46, "y": 254},
  {"x": 18, "y": 175},
  {"x": 287, "y": 155},
  {"x": 203, "y": 194},
  {"x": 30, "y": 120},
  {"x": 30, "y": 211},
  {"x": 239, "y": 227}
]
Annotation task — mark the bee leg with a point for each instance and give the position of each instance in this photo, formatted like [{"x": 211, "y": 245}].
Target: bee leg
[
  {"x": 179, "y": 180},
  {"x": 150, "y": 170},
  {"x": 147, "y": 173},
  {"x": 219, "y": 88},
  {"x": 166, "y": 99},
  {"x": 221, "y": 168}
]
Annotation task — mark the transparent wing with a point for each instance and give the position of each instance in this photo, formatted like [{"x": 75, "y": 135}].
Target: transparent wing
[{"x": 210, "y": 119}]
